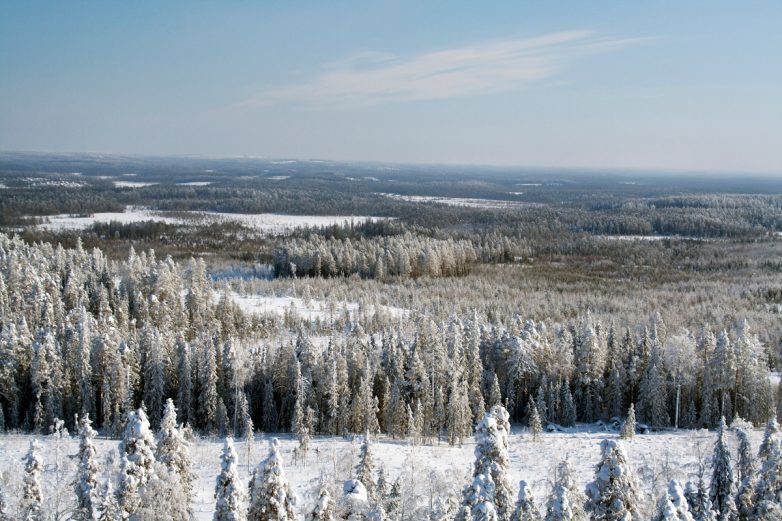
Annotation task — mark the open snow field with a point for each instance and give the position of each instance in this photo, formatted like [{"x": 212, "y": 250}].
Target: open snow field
[
  {"x": 310, "y": 309},
  {"x": 265, "y": 223},
  {"x": 425, "y": 469},
  {"x": 462, "y": 201}
]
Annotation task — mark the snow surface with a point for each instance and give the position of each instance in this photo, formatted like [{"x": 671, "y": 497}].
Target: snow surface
[
  {"x": 266, "y": 223},
  {"x": 196, "y": 183},
  {"x": 314, "y": 310},
  {"x": 461, "y": 201},
  {"x": 336, "y": 458},
  {"x": 130, "y": 215},
  {"x": 131, "y": 184}
]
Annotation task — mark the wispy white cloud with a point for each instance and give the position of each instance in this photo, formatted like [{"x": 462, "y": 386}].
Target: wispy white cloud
[{"x": 477, "y": 69}]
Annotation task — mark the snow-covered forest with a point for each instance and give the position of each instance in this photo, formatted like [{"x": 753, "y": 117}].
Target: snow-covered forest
[{"x": 442, "y": 363}]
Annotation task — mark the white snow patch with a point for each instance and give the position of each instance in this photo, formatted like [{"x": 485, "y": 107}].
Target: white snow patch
[
  {"x": 196, "y": 183},
  {"x": 130, "y": 215},
  {"x": 278, "y": 177},
  {"x": 311, "y": 309},
  {"x": 461, "y": 201},
  {"x": 131, "y": 184},
  {"x": 265, "y": 223}
]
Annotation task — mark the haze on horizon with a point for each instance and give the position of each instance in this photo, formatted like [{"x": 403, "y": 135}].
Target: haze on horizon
[{"x": 670, "y": 85}]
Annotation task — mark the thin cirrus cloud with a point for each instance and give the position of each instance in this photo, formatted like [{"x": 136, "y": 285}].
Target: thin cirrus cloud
[{"x": 477, "y": 69}]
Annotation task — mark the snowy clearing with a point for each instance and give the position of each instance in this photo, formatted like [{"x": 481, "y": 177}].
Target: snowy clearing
[
  {"x": 461, "y": 201},
  {"x": 130, "y": 215},
  {"x": 196, "y": 183},
  {"x": 267, "y": 223},
  {"x": 132, "y": 184},
  {"x": 655, "y": 458},
  {"x": 312, "y": 310}
]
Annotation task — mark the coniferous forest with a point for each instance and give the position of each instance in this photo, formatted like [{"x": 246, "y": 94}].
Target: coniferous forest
[{"x": 149, "y": 326}]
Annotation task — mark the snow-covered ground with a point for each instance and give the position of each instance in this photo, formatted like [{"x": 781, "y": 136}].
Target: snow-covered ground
[
  {"x": 130, "y": 215},
  {"x": 461, "y": 201},
  {"x": 312, "y": 310},
  {"x": 131, "y": 184},
  {"x": 196, "y": 183},
  {"x": 266, "y": 223},
  {"x": 655, "y": 458}
]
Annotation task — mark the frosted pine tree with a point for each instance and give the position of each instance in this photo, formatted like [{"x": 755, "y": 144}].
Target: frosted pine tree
[
  {"x": 769, "y": 485},
  {"x": 3, "y": 507},
  {"x": 458, "y": 413},
  {"x": 479, "y": 499},
  {"x": 163, "y": 484},
  {"x": 628, "y": 427},
  {"x": 698, "y": 499},
  {"x": 355, "y": 501},
  {"x": 535, "y": 427},
  {"x": 673, "y": 505},
  {"x": 746, "y": 477},
  {"x": 173, "y": 451},
  {"x": 567, "y": 501},
  {"x": 769, "y": 439},
  {"x": 365, "y": 468},
  {"x": 723, "y": 483},
  {"x": 108, "y": 509},
  {"x": 137, "y": 450},
  {"x": 394, "y": 501},
  {"x": 323, "y": 509},
  {"x": 30, "y": 506},
  {"x": 230, "y": 504},
  {"x": 525, "y": 505},
  {"x": 86, "y": 484},
  {"x": 271, "y": 498},
  {"x": 613, "y": 495},
  {"x": 491, "y": 465}
]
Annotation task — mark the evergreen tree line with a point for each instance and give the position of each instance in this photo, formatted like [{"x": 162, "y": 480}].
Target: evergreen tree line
[{"x": 82, "y": 335}]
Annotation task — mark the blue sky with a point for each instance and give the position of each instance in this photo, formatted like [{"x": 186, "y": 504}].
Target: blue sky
[{"x": 674, "y": 85}]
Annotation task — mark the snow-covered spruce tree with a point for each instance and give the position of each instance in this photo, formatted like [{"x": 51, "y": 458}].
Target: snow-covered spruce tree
[
  {"x": 535, "y": 426},
  {"x": 458, "y": 413},
  {"x": 698, "y": 499},
  {"x": 221, "y": 419},
  {"x": 747, "y": 477},
  {"x": 723, "y": 484},
  {"x": 108, "y": 508},
  {"x": 525, "y": 505},
  {"x": 769, "y": 485},
  {"x": 769, "y": 438},
  {"x": 271, "y": 498},
  {"x": 613, "y": 495},
  {"x": 3, "y": 507},
  {"x": 365, "y": 469},
  {"x": 355, "y": 501},
  {"x": 173, "y": 451},
  {"x": 673, "y": 505},
  {"x": 86, "y": 484},
  {"x": 479, "y": 499},
  {"x": 163, "y": 484},
  {"x": 323, "y": 509},
  {"x": 30, "y": 506},
  {"x": 567, "y": 501},
  {"x": 137, "y": 450},
  {"x": 394, "y": 501},
  {"x": 230, "y": 498},
  {"x": 491, "y": 461},
  {"x": 653, "y": 395},
  {"x": 628, "y": 427}
]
